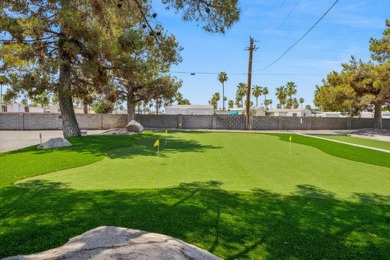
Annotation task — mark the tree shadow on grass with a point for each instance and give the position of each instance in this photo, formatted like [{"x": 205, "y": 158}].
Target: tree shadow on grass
[
  {"x": 231, "y": 225},
  {"x": 349, "y": 152},
  {"x": 168, "y": 145},
  {"x": 30, "y": 162},
  {"x": 93, "y": 144}
]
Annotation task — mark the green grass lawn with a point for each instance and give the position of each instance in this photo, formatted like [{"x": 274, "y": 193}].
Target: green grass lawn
[
  {"x": 359, "y": 141},
  {"x": 238, "y": 195}
]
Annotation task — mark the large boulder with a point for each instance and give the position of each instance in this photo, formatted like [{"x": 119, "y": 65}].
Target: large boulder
[
  {"x": 55, "y": 143},
  {"x": 134, "y": 126},
  {"x": 121, "y": 243}
]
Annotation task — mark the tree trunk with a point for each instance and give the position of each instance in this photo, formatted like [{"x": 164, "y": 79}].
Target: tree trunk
[
  {"x": 223, "y": 97},
  {"x": 70, "y": 126},
  {"x": 130, "y": 107},
  {"x": 378, "y": 116},
  {"x": 157, "y": 106},
  {"x": 85, "y": 108}
]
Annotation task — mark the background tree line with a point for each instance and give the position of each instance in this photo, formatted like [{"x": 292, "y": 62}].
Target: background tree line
[
  {"x": 360, "y": 86},
  {"x": 114, "y": 49},
  {"x": 285, "y": 95}
]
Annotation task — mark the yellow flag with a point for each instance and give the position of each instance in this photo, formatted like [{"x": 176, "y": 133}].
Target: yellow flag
[
  {"x": 290, "y": 138},
  {"x": 166, "y": 131},
  {"x": 157, "y": 143}
]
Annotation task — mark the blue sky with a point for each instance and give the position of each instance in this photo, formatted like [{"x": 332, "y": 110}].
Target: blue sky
[{"x": 275, "y": 25}]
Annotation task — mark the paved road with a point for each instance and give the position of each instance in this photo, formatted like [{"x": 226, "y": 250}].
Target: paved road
[{"x": 12, "y": 140}]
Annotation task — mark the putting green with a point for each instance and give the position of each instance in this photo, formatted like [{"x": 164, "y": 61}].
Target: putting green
[{"x": 238, "y": 161}]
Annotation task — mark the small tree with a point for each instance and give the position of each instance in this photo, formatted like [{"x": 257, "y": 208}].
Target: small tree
[
  {"x": 281, "y": 95},
  {"x": 103, "y": 107},
  {"x": 265, "y": 93},
  {"x": 230, "y": 104},
  {"x": 257, "y": 91},
  {"x": 301, "y": 101},
  {"x": 240, "y": 93}
]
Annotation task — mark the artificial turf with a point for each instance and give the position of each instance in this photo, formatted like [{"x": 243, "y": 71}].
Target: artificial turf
[
  {"x": 240, "y": 162},
  {"x": 359, "y": 141},
  {"x": 206, "y": 191}
]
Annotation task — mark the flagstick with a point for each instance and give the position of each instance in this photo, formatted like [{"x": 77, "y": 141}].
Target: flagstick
[
  {"x": 289, "y": 147},
  {"x": 158, "y": 155}
]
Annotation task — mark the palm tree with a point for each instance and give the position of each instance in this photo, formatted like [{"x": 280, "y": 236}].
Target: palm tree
[
  {"x": 291, "y": 89},
  {"x": 295, "y": 103},
  {"x": 230, "y": 104},
  {"x": 267, "y": 102},
  {"x": 316, "y": 91},
  {"x": 179, "y": 98},
  {"x": 257, "y": 91},
  {"x": 223, "y": 77},
  {"x": 301, "y": 100},
  {"x": 214, "y": 100},
  {"x": 265, "y": 93},
  {"x": 241, "y": 92},
  {"x": 289, "y": 103},
  {"x": 217, "y": 97},
  {"x": 281, "y": 95}
]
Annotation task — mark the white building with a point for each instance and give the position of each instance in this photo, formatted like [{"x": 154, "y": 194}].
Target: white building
[
  {"x": 190, "y": 110},
  {"x": 14, "y": 108},
  {"x": 260, "y": 111},
  {"x": 298, "y": 112}
]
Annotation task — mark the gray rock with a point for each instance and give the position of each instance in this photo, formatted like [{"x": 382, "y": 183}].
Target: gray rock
[
  {"x": 55, "y": 143},
  {"x": 134, "y": 126},
  {"x": 121, "y": 243}
]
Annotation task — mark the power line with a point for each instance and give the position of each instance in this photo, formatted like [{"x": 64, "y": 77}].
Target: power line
[
  {"x": 303, "y": 36},
  {"x": 288, "y": 15},
  {"x": 243, "y": 73}
]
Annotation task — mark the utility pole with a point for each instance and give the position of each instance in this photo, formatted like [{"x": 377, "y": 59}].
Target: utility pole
[{"x": 251, "y": 48}]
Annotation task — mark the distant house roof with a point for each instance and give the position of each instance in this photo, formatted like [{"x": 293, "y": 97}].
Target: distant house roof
[
  {"x": 288, "y": 110},
  {"x": 190, "y": 110},
  {"x": 192, "y": 106}
]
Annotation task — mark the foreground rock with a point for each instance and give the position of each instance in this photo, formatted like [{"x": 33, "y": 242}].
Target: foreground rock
[
  {"x": 134, "y": 126},
  {"x": 121, "y": 243},
  {"x": 55, "y": 143}
]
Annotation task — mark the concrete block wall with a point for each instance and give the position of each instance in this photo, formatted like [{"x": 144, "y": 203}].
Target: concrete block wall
[
  {"x": 90, "y": 121},
  {"x": 264, "y": 122},
  {"x": 358, "y": 123},
  {"x": 11, "y": 121},
  {"x": 158, "y": 121},
  {"x": 234, "y": 122},
  {"x": 197, "y": 122},
  {"x": 386, "y": 123},
  {"x": 36, "y": 121},
  {"x": 114, "y": 121},
  {"x": 291, "y": 123},
  {"x": 321, "y": 123},
  {"x": 39, "y": 121}
]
